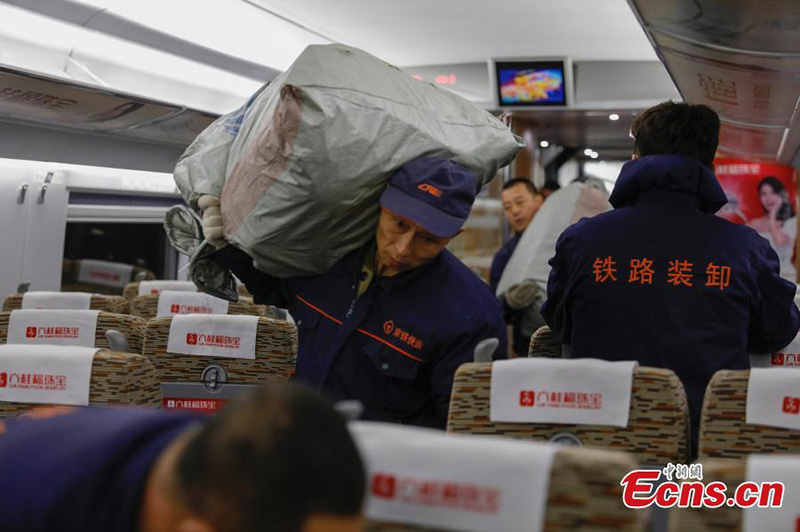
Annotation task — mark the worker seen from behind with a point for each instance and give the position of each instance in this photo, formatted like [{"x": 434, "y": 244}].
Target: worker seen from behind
[
  {"x": 661, "y": 279},
  {"x": 278, "y": 458}
]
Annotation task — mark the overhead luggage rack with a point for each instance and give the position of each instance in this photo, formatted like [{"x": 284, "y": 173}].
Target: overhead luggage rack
[
  {"x": 26, "y": 97},
  {"x": 740, "y": 58}
]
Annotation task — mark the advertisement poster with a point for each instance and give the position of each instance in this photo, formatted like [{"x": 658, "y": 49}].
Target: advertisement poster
[{"x": 762, "y": 196}]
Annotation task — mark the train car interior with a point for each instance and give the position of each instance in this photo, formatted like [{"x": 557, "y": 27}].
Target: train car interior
[{"x": 533, "y": 295}]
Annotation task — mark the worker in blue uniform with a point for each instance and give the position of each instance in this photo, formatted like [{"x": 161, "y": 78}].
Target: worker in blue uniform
[
  {"x": 280, "y": 458},
  {"x": 661, "y": 279},
  {"x": 521, "y": 201},
  {"x": 390, "y": 323}
]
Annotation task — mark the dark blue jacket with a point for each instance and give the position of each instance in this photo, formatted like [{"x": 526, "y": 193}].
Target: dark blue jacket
[
  {"x": 662, "y": 280},
  {"x": 500, "y": 261},
  {"x": 397, "y": 347},
  {"x": 519, "y": 341},
  {"x": 81, "y": 472}
]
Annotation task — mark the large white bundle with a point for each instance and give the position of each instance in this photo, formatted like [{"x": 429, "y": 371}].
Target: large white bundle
[
  {"x": 538, "y": 243},
  {"x": 300, "y": 169}
]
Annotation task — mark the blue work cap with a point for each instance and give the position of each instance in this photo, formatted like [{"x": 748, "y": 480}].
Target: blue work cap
[{"x": 432, "y": 192}]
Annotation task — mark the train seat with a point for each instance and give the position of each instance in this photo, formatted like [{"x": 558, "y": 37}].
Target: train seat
[
  {"x": 154, "y": 287},
  {"x": 117, "y": 379},
  {"x": 199, "y": 376},
  {"x": 658, "y": 423},
  {"x": 724, "y": 431},
  {"x": 757, "y": 469},
  {"x": 131, "y": 327},
  {"x": 583, "y": 490},
  {"x": 544, "y": 344},
  {"x": 147, "y": 307},
  {"x": 74, "y": 277},
  {"x": 103, "y": 302}
]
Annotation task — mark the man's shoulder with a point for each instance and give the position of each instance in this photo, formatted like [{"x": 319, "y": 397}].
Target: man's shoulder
[
  {"x": 621, "y": 221},
  {"x": 462, "y": 288}
]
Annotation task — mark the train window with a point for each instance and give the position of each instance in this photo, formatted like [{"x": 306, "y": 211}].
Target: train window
[{"x": 139, "y": 244}]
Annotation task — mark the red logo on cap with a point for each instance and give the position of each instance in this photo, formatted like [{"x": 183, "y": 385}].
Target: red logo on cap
[
  {"x": 3, "y": 380},
  {"x": 175, "y": 309},
  {"x": 777, "y": 359},
  {"x": 30, "y": 332},
  {"x": 191, "y": 339},
  {"x": 430, "y": 189}
]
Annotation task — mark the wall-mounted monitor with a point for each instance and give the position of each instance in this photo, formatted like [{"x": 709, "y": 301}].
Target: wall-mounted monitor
[{"x": 532, "y": 83}]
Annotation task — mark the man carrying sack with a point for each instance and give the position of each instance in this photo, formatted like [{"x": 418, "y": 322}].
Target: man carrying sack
[{"x": 391, "y": 322}]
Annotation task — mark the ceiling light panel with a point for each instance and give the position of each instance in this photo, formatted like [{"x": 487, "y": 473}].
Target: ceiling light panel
[
  {"x": 233, "y": 27},
  {"x": 424, "y": 32}
]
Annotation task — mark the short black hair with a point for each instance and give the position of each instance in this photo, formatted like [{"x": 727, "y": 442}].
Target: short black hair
[
  {"x": 522, "y": 181},
  {"x": 276, "y": 456},
  {"x": 677, "y": 129},
  {"x": 551, "y": 185}
]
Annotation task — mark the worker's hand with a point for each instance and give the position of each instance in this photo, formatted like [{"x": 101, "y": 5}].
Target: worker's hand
[
  {"x": 522, "y": 295},
  {"x": 212, "y": 220}
]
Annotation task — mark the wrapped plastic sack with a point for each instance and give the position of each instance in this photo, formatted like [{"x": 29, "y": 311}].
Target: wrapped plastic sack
[
  {"x": 300, "y": 168},
  {"x": 537, "y": 246}
]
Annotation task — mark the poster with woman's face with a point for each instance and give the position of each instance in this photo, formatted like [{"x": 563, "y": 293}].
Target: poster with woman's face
[{"x": 762, "y": 196}]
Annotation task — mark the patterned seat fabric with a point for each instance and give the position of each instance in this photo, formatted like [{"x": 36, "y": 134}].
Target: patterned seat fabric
[
  {"x": 131, "y": 326},
  {"x": 276, "y": 354},
  {"x": 723, "y": 431},
  {"x": 113, "y": 304},
  {"x": 657, "y": 431},
  {"x": 130, "y": 291},
  {"x": 544, "y": 344},
  {"x": 118, "y": 379},
  {"x": 70, "y": 283},
  {"x": 147, "y": 307},
  {"x": 584, "y": 494},
  {"x": 723, "y": 519}
]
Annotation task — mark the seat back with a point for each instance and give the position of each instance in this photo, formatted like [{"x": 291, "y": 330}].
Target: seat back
[
  {"x": 105, "y": 303},
  {"x": 70, "y": 281},
  {"x": 658, "y": 423},
  {"x": 118, "y": 379},
  {"x": 544, "y": 343},
  {"x": 584, "y": 493},
  {"x": 722, "y": 519},
  {"x": 130, "y": 326},
  {"x": 724, "y": 432},
  {"x": 216, "y": 379},
  {"x": 154, "y": 287},
  {"x": 147, "y": 307}
]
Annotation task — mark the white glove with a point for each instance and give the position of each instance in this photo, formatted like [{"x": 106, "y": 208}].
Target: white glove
[
  {"x": 212, "y": 220},
  {"x": 522, "y": 295}
]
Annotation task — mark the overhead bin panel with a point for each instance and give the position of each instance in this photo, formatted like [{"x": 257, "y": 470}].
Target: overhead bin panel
[
  {"x": 759, "y": 90},
  {"x": 26, "y": 97},
  {"x": 739, "y": 57},
  {"x": 769, "y": 26}
]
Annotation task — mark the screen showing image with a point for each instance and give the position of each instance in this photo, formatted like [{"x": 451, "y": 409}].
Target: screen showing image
[{"x": 531, "y": 83}]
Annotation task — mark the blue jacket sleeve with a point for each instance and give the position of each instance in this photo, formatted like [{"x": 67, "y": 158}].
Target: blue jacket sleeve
[
  {"x": 556, "y": 310},
  {"x": 774, "y": 318},
  {"x": 487, "y": 325},
  {"x": 266, "y": 289}
]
